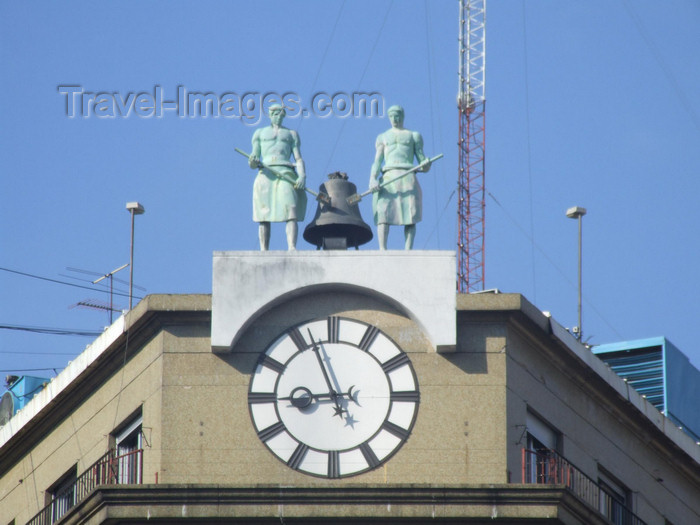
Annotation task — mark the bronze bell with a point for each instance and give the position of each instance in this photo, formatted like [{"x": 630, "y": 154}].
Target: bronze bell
[{"x": 337, "y": 224}]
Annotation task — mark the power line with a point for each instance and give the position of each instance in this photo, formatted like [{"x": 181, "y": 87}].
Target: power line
[
  {"x": 359, "y": 83},
  {"x": 31, "y": 370},
  {"x": 63, "y": 282},
  {"x": 51, "y": 331},
  {"x": 325, "y": 53},
  {"x": 668, "y": 72},
  {"x": 37, "y": 353}
]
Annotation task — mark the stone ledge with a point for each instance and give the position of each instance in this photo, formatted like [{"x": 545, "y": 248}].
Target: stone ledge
[{"x": 503, "y": 504}]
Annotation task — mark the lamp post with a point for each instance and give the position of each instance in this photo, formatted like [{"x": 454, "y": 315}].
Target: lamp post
[
  {"x": 134, "y": 208},
  {"x": 577, "y": 212}
]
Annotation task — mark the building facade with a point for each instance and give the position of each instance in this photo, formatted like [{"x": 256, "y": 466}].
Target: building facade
[
  {"x": 662, "y": 374},
  {"x": 342, "y": 386}
]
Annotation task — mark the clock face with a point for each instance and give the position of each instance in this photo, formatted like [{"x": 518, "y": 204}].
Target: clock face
[{"x": 333, "y": 397}]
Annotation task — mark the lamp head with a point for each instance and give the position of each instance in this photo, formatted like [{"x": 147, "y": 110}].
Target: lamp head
[
  {"x": 575, "y": 212},
  {"x": 135, "y": 207}
]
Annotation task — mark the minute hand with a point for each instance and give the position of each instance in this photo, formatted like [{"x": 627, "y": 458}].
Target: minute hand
[{"x": 333, "y": 394}]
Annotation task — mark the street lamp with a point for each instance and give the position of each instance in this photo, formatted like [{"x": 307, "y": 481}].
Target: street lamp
[
  {"x": 577, "y": 212},
  {"x": 134, "y": 208}
]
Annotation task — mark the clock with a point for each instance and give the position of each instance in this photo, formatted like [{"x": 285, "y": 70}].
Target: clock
[{"x": 333, "y": 397}]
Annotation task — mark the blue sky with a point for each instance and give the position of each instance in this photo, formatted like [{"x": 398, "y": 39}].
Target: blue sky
[{"x": 588, "y": 103}]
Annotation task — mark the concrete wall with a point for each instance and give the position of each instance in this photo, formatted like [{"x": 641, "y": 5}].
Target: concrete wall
[
  {"x": 83, "y": 437},
  {"x": 469, "y": 430},
  {"x": 597, "y": 431},
  {"x": 209, "y": 436}
]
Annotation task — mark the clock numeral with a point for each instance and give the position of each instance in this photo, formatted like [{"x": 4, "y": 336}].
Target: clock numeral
[
  {"x": 395, "y": 362},
  {"x": 370, "y": 456},
  {"x": 262, "y": 397},
  {"x": 298, "y": 456},
  {"x": 398, "y": 431},
  {"x": 271, "y": 431},
  {"x": 297, "y": 338},
  {"x": 273, "y": 364},
  {"x": 411, "y": 396},
  {"x": 333, "y": 464},
  {"x": 369, "y": 337},
  {"x": 333, "y": 329}
]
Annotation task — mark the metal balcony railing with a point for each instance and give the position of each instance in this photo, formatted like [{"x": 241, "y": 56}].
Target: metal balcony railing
[
  {"x": 110, "y": 469},
  {"x": 552, "y": 469}
]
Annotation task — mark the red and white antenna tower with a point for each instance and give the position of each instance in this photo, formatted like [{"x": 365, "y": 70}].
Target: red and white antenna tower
[{"x": 471, "y": 104}]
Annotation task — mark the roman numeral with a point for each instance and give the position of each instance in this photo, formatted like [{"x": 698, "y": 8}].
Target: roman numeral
[
  {"x": 271, "y": 431},
  {"x": 333, "y": 329},
  {"x": 369, "y": 337},
  {"x": 398, "y": 431},
  {"x": 298, "y": 456},
  {"x": 411, "y": 396},
  {"x": 273, "y": 364},
  {"x": 261, "y": 397},
  {"x": 333, "y": 464},
  {"x": 370, "y": 456},
  {"x": 297, "y": 338},
  {"x": 395, "y": 362}
]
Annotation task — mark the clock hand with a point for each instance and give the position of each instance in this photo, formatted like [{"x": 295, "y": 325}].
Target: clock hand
[
  {"x": 334, "y": 395},
  {"x": 301, "y": 397}
]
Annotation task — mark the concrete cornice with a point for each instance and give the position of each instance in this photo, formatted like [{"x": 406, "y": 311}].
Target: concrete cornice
[{"x": 508, "y": 504}]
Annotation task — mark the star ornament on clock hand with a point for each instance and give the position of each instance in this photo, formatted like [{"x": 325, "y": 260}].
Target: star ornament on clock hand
[{"x": 350, "y": 421}]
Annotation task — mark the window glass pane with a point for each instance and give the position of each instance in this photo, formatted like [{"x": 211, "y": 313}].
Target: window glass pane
[
  {"x": 63, "y": 495},
  {"x": 613, "y": 499},
  {"x": 128, "y": 462}
]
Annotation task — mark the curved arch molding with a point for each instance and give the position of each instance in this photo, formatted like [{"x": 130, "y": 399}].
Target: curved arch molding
[{"x": 420, "y": 283}]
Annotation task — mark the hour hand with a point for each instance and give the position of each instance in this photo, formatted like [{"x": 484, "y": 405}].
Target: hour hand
[{"x": 302, "y": 397}]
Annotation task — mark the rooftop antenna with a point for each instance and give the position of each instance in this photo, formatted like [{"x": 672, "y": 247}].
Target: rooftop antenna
[
  {"x": 471, "y": 103},
  {"x": 95, "y": 304},
  {"x": 111, "y": 288},
  {"x": 101, "y": 305}
]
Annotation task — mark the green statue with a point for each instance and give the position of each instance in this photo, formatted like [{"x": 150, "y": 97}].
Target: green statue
[
  {"x": 398, "y": 200},
  {"x": 275, "y": 197}
]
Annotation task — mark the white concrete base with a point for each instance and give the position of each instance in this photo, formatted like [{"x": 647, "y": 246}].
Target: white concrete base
[{"x": 420, "y": 283}]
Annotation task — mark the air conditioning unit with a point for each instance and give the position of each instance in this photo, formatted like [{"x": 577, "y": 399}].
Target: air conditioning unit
[{"x": 19, "y": 392}]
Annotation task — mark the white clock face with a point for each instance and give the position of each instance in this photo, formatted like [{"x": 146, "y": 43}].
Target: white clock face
[{"x": 333, "y": 397}]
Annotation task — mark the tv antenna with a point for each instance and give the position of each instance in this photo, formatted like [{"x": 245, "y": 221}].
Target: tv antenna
[
  {"x": 98, "y": 305},
  {"x": 111, "y": 287}
]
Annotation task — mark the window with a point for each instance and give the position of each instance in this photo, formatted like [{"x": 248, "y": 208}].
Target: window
[
  {"x": 61, "y": 495},
  {"x": 540, "y": 435},
  {"x": 542, "y": 441},
  {"x": 614, "y": 499},
  {"x": 128, "y": 441}
]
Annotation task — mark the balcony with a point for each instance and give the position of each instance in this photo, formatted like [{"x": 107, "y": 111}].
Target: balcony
[
  {"x": 552, "y": 469},
  {"x": 110, "y": 469}
]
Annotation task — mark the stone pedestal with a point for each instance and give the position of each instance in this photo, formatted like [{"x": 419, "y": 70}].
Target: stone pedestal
[{"x": 419, "y": 283}]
